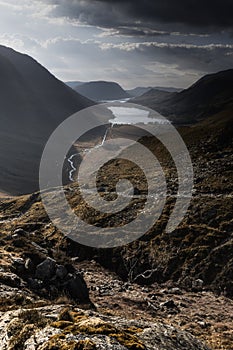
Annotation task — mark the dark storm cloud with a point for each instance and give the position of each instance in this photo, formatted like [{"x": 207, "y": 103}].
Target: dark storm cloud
[
  {"x": 191, "y": 12},
  {"x": 179, "y": 39},
  {"x": 113, "y": 13}
]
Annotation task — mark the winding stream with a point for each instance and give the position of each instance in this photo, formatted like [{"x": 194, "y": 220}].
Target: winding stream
[
  {"x": 72, "y": 158},
  {"x": 121, "y": 116}
]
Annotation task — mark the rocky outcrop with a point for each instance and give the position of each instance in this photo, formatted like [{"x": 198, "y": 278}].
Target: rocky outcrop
[
  {"x": 52, "y": 327},
  {"x": 29, "y": 268}
]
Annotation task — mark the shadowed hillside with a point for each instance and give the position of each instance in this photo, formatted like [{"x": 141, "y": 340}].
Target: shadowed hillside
[
  {"x": 32, "y": 104},
  {"x": 153, "y": 97},
  {"x": 139, "y": 91}
]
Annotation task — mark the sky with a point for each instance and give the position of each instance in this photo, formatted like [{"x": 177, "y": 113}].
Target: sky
[{"x": 136, "y": 43}]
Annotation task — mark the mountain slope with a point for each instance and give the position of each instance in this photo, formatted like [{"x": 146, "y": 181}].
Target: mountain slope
[
  {"x": 209, "y": 95},
  {"x": 153, "y": 96},
  {"x": 32, "y": 104},
  {"x": 139, "y": 91},
  {"x": 168, "y": 88},
  {"x": 102, "y": 91}
]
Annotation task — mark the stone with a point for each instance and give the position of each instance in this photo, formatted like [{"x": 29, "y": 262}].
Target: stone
[
  {"x": 20, "y": 232},
  {"x": 137, "y": 192},
  {"x": 10, "y": 279},
  {"x": 75, "y": 259},
  {"x": 170, "y": 304},
  {"x": 35, "y": 284},
  {"x": 18, "y": 265},
  {"x": 8, "y": 238},
  {"x": 39, "y": 248},
  {"x": 77, "y": 288},
  {"x": 202, "y": 324},
  {"x": 102, "y": 188},
  {"x": 176, "y": 291},
  {"x": 29, "y": 265},
  {"x": 61, "y": 272},
  {"x": 17, "y": 261},
  {"x": 198, "y": 284},
  {"x": 46, "y": 270}
]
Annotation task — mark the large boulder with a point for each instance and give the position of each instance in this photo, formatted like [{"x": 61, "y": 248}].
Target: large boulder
[
  {"x": 46, "y": 270},
  {"x": 77, "y": 288},
  {"x": 61, "y": 272}
]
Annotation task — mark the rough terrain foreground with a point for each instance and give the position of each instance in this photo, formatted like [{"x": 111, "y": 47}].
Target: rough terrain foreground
[
  {"x": 182, "y": 280},
  {"x": 53, "y": 327}
]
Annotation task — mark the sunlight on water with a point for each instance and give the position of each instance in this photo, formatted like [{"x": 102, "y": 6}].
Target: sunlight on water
[{"x": 126, "y": 115}]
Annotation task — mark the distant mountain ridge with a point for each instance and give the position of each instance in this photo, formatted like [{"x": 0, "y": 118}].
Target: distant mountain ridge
[
  {"x": 107, "y": 90},
  {"x": 138, "y": 91},
  {"x": 74, "y": 84},
  {"x": 32, "y": 104},
  {"x": 168, "y": 89},
  {"x": 102, "y": 91}
]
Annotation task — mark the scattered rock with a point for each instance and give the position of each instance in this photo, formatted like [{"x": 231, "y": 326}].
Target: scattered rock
[
  {"x": 16, "y": 262},
  {"x": 197, "y": 284},
  {"x": 176, "y": 291},
  {"x": 170, "y": 304},
  {"x": 202, "y": 324},
  {"x": 35, "y": 284},
  {"x": 39, "y": 248},
  {"x": 18, "y": 266},
  {"x": 29, "y": 265},
  {"x": 10, "y": 279},
  {"x": 20, "y": 232},
  {"x": 75, "y": 260}
]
